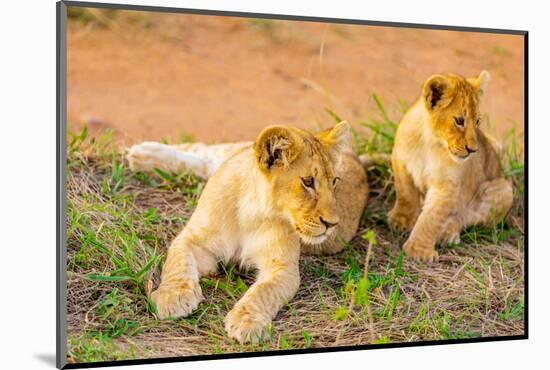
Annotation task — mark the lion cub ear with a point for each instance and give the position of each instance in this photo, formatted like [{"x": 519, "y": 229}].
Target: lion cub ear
[
  {"x": 276, "y": 146},
  {"x": 481, "y": 82},
  {"x": 437, "y": 92},
  {"x": 336, "y": 138}
]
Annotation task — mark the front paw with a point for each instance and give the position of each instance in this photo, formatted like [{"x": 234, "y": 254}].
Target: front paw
[
  {"x": 246, "y": 325},
  {"x": 176, "y": 300},
  {"x": 420, "y": 251},
  {"x": 401, "y": 220}
]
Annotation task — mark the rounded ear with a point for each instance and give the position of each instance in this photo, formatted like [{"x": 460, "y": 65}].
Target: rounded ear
[
  {"x": 336, "y": 138},
  {"x": 276, "y": 146},
  {"x": 481, "y": 82},
  {"x": 437, "y": 92}
]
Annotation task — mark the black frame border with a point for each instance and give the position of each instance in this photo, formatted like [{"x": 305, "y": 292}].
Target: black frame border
[{"x": 61, "y": 153}]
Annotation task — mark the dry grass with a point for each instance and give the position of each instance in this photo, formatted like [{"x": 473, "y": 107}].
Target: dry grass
[{"x": 120, "y": 223}]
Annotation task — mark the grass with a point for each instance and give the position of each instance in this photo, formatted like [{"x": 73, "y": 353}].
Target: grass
[
  {"x": 275, "y": 32},
  {"x": 120, "y": 223},
  {"x": 101, "y": 17}
]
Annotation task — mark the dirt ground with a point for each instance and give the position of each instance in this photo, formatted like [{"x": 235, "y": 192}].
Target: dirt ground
[{"x": 150, "y": 76}]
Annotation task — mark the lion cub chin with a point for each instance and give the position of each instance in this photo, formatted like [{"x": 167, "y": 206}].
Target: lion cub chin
[
  {"x": 446, "y": 170},
  {"x": 289, "y": 190}
]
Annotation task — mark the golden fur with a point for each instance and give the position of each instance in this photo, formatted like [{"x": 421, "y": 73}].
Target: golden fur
[
  {"x": 289, "y": 191},
  {"x": 446, "y": 170}
]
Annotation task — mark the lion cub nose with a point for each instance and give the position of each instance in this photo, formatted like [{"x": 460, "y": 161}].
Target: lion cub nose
[{"x": 329, "y": 224}]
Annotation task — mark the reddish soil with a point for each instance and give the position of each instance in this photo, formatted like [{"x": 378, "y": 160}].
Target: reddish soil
[{"x": 151, "y": 76}]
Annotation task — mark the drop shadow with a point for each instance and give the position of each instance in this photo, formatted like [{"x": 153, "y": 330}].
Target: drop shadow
[{"x": 47, "y": 358}]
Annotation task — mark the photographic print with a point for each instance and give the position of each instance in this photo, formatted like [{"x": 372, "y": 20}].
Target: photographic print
[{"x": 239, "y": 184}]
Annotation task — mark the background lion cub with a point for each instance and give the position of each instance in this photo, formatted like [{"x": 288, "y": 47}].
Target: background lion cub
[
  {"x": 447, "y": 174},
  {"x": 288, "y": 188}
]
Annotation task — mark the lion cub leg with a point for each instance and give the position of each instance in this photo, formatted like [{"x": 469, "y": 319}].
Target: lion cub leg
[
  {"x": 149, "y": 155},
  {"x": 407, "y": 204},
  {"x": 451, "y": 230},
  {"x": 438, "y": 206},
  {"x": 490, "y": 204},
  {"x": 179, "y": 292},
  {"x": 200, "y": 159},
  {"x": 277, "y": 282}
]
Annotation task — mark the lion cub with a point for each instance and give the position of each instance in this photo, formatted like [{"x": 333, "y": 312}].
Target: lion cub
[
  {"x": 446, "y": 170},
  {"x": 288, "y": 190}
]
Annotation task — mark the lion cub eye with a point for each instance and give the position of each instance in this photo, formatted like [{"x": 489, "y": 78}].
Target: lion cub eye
[
  {"x": 335, "y": 181},
  {"x": 478, "y": 122},
  {"x": 459, "y": 121},
  {"x": 308, "y": 182}
]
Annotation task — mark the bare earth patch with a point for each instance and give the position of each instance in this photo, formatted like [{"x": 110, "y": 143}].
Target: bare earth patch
[{"x": 221, "y": 79}]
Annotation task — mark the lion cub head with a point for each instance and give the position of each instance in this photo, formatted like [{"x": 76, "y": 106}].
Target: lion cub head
[
  {"x": 453, "y": 103},
  {"x": 300, "y": 169}
]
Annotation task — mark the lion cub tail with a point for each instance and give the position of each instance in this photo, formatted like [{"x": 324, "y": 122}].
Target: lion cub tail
[
  {"x": 200, "y": 159},
  {"x": 369, "y": 160}
]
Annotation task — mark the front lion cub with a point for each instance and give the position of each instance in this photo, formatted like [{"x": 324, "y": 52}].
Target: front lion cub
[
  {"x": 446, "y": 170},
  {"x": 287, "y": 188}
]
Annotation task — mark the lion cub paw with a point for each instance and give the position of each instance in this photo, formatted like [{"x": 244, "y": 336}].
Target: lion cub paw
[
  {"x": 176, "y": 300},
  {"x": 420, "y": 251},
  {"x": 401, "y": 220},
  {"x": 451, "y": 232},
  {"x": 245, "y": 325},
  {"x": 148, "y": 155}
]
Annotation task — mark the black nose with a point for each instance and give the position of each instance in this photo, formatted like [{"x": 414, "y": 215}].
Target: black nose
[
  {"x": 328, "y": 225},
  {"x": 470, "y": 150}
]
